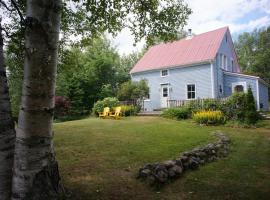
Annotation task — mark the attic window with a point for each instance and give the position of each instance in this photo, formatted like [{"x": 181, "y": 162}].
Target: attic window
[
  {"x": 226, "y": 38},
  {"x": 164, "y": 73}
]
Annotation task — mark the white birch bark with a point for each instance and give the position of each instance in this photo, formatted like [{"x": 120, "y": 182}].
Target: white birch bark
[
  {"x": 7, "y": 131},
  {"x": 36, "y": 173}
]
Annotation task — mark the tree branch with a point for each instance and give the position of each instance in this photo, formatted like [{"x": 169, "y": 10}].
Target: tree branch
[{"x": 18, "y": 10}]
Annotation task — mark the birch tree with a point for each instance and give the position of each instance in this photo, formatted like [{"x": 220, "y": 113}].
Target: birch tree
[
  {"x": 36, "y": 173},
  {"x": 7, "y": 132}
]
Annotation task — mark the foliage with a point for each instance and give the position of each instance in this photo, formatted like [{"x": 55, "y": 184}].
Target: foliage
[
  {"x": 209, "y": 117},
  {"x": 133, "y": 90},
  {"x": 129, "y": 110},
  {"x": 208, "y": 104},
  {"x": 253, "y": 50},
  {"x": 251, "y": 115},
  {"x": 88, "y": 74},
  {"x": 107, "y": 102},
  {"x": 241, "y": 107},
  {"x": 176, "y": 113},
  {"x": 62, "y": 106}
]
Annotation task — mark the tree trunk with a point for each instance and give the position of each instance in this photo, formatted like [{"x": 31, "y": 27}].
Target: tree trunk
[
  {"x": 7, "y": 131},
  {"x": 36, "y": 174}
]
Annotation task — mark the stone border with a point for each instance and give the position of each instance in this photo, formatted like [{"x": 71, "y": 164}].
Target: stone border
[{"x": 160, "y": 173}]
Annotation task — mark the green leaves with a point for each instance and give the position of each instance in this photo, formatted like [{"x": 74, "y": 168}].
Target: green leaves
[
  {"x": 253, "y": 51},
  {"x": 150, "y": 19}
]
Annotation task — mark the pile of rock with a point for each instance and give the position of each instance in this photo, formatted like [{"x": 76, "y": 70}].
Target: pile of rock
[{"x": 160, "y": 173}]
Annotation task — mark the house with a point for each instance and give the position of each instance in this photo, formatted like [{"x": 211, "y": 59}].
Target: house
[{"x": 196, "y": 67}]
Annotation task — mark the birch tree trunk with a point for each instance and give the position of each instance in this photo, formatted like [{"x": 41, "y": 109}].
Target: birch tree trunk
[
  {"x": 36, "y": 174},
  {"x": 7, "y": 131}
]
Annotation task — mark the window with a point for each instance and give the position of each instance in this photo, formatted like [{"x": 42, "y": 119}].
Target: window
[
  {"x": 164, "y": 72},
  {"x": 224, "y": 63},
  {"x": 239, "y": 88},
  {"x": 232, "y": 65},
  {"x": 220, "y": 60},
  {"x": 191, "y": 91},
  {"x": 220, "y": 89},
  {"x": 165, "y": 91}
]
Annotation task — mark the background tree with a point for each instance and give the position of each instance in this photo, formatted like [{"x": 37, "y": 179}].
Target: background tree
[
  {"x": 7, "y": 129},
  {"x": 253, "y": 51}
]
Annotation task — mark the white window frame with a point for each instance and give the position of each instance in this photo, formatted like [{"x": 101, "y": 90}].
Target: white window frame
[
  {"x": 195, "y": 91},
  {"x": 162, "y": 71},
  {"x": 244, "y": 84}
]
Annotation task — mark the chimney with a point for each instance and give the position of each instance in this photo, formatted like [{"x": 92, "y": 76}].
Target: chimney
[{"x": 189, "y": 35}]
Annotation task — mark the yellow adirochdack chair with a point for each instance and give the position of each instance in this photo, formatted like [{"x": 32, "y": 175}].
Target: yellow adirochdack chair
[
  {"x": 105, "y": 113},
  {"x": 117, "y": 113}
]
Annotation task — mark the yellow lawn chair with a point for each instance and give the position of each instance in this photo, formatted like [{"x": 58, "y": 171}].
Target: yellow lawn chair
[
  {"x": 105, "y": 113},
  {"x": 117, "y": 113}
]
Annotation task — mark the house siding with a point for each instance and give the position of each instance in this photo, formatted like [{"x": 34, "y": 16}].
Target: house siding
[
  {"x": 263, "y": 95},
  {"x": 177, "y": 79}
]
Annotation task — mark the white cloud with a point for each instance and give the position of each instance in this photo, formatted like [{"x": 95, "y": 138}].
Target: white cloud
[
  {"x": 211, "y": 14},
  {"x": 124, "y": 42}
]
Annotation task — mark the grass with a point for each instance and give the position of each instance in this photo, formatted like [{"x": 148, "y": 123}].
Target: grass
[{"x": 99, "y": 159}]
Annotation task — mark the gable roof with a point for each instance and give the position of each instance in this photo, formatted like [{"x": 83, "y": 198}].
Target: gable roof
[{"x": 200, "y": 48}]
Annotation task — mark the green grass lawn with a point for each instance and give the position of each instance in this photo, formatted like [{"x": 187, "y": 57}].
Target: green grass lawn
[{"x": 99, "y": 159}]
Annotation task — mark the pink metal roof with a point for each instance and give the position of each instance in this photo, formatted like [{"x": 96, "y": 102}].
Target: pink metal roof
[{"x": 199, "y": 48}]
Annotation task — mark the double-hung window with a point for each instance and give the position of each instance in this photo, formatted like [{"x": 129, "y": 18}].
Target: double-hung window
[
  {"x": 191, "y": 91},
  {"x": 164, "y": 72}
]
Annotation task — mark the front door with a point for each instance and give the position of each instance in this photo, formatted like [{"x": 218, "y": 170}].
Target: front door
[{"x": 164, "y": 96}]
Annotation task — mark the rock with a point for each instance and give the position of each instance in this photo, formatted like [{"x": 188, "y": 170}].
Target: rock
[
  {"x": 179, "y": 162},
  {"x": 160, "y": 167},
  {"x": 144, "y": 173},
  {"x": 183, "y": 159},
  {"x": 169, "y": 163},
  {"x": 193, "y": 164},
  {"x": 162, "y": 176},
  {"x": 177, "y": 170}
]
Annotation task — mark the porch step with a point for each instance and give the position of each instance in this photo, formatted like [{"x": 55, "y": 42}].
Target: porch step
[
  {"x": 149, "y": 113},
  {"x": 264, "y": 116}
]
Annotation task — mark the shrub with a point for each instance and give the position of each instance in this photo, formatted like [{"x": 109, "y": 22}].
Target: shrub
[
  {"x": 241, "y": 107},
  {"x": 107, "y": 102},
  {"x": 209, "y": 117},
  {"x": 176, "y": 113},
  {"x": 133, "y": 90},
  {"x": 251, "y": 115},
  {"x": 208, "y": 104},
  {"x": 62, "y": 106},
  {"x": 129, "y": 110}
]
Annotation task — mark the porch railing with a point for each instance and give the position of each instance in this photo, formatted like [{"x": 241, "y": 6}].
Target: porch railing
[{"x": 195, "y": 102}]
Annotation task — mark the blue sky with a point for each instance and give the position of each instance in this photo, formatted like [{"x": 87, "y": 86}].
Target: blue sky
[{"x": 239, "y": 15}]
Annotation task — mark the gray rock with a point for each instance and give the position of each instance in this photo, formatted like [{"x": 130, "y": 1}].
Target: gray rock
[
  {"x": 144, "y": 173},
  {"x": 169, "y": 163},
  {"x": 162, "y": 176}
]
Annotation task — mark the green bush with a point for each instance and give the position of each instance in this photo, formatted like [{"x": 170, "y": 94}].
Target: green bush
[
  {"x": 208, "y": 104},
  {"x": 176, "y": 113},
  {"x": 209, "y": 117},
  {"x": 129, "y": 110},
  {"x": 107, "y": 102},
  {"x": 241, "y": 107}
]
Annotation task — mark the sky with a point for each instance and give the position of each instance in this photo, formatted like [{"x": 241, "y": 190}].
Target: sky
[{"x": 239, "y": 15}]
